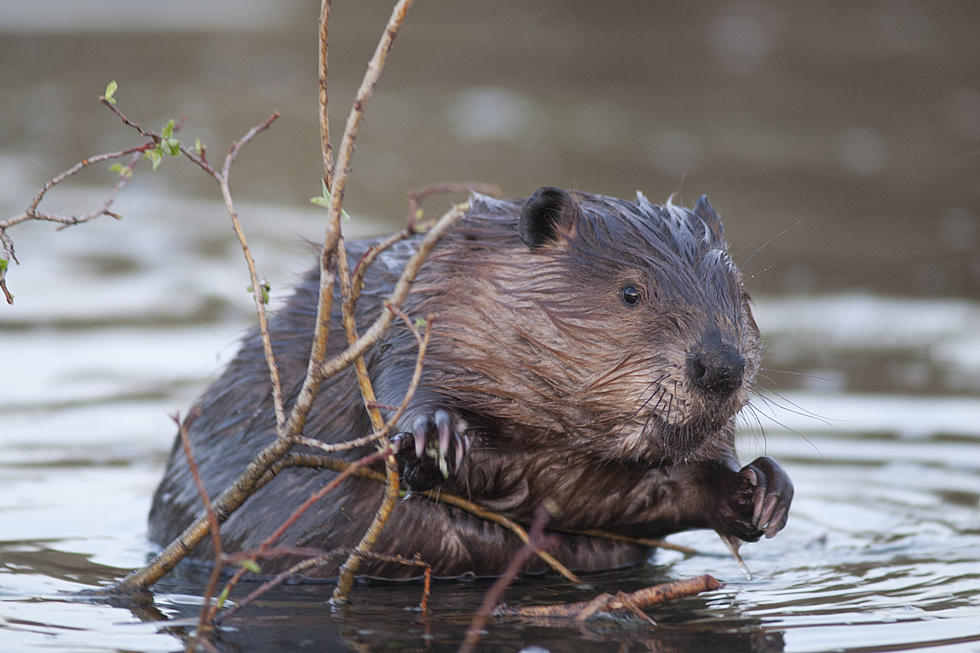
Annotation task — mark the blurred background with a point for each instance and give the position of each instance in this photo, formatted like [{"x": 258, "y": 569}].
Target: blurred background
[{"x": 840, "y": 142}]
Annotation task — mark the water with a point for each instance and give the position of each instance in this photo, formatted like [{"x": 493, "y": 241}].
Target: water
[{"x": 853, "y": 130}]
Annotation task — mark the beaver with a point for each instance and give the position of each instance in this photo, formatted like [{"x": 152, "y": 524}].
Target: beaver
[{"x": 585, "y": 349}]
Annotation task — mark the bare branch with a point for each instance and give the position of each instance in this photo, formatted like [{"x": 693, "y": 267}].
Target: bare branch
[
  {"x": 326, "y": 149},
  {"x": 398, "y": 295},
  {"x": 268, "y": 542},
  {"x": 257, "y": 291},
  {"x": 416, "y": 195},
  {"x": 323, "y": 462},
  {"x": 322, "y": 558},
  {"x": 32, "y": 212},
  {"x": 641, "y": 541},
  {"x": 129, "y": 123},
  {"x": 205, "y": 617},
  {"x": 607, "y": 603},
  {"x": 536, "y": 541}
]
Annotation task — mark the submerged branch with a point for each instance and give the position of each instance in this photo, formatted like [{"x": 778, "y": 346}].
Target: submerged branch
[{"x": 605, "y": 603}]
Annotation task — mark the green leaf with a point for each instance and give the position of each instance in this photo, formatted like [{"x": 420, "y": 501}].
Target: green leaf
[
  {"x": 154, "y": 156},
  {"x": 170, "y": 146},
  {"x": 223, "y": 597},
  {"x": 324, "y": 201},
  {"x": 265, "y": 291},
  {"x": 198, "y": 146},
  {"x": 110, "y": 90},
  {"x": 251, "y": 565},
  {"x": 3, "y": 265},
  {"x": 420, "y": 323},
  {"x": 123, "y": 171},
  {"x": 168, "y": 130}
]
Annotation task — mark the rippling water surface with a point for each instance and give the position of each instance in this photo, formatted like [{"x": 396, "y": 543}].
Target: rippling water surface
[
  {"x": 882, "y": 549},
  {"x": 841, "y": 149}
]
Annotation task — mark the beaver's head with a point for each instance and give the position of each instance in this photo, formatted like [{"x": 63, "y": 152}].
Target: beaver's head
[{"x": 619, "y": 329}]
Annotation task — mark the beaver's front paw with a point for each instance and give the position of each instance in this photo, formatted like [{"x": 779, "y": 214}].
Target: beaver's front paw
[
  {"x": 759, "y": 502},
  {"x": 431, "y": 452}
]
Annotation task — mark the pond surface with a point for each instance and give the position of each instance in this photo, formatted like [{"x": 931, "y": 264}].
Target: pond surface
[{"x": 857, "y": 130}]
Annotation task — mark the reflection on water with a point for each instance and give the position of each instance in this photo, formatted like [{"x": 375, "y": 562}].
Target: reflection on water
[{"x": 859, "y": 126}]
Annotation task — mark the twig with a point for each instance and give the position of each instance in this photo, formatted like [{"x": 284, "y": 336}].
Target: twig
[
  {"x": 126, "y": 121},
  {"x": 228, "y": 502},
  {"x": 423, "y": 342},
  {"x": 535, "y": 542},
  {"x": 323, "y": 462},
  {"x": 298, "y": 512},
  {"x": 607, "y": 603},
  {"x": 257, "y": 291},
  {"x": 398, "y": 295},
  {"x": 326, "y": 148},
  {"x": 641, "y": 541},
  {"x": 423, "y": 346},
  {"x": 337, "y": 189},
  {"x": 32, "y": 212},
  {"x": 416, "y": 195},
  {"x": 321, "y": 559},
  {"x": 257, "y": 470},
  {"x": 204, "y": 620},
  {"x": 370, "y": 256}
]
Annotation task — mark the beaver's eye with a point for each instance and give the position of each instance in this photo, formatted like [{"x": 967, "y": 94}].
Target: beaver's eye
[{"x": 630, "y": 295}]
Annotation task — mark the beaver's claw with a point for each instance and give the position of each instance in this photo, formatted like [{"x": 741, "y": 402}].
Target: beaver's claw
[
  {"x": 760, "y": 502},
  {"x": 431, "y": 452}
]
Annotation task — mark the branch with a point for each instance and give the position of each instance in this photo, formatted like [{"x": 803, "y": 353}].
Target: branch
[
  {"x": 439, "y": 496},
  {"x": 326, "y": 148},
  {"x": 536, "y": 541},
  {"x": 257, "y": 290},
  {"x": 321, "y": 559},
  {"x": 607, "y": 603},
  {"x": 204, "y": 620},
  {"x": 32, "y": 212},
  {"x": 298, "y": 512},
  {"x": 398, "y": 295},
  {"x": 423, "y": 342},
  {"x": 416, "y": 195}
]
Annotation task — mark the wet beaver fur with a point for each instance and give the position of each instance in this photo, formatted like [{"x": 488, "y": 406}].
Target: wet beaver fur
[{"x": 587, "y": 349}]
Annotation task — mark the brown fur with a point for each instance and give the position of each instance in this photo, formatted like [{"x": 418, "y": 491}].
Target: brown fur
[{"x": 559, "y": 387}]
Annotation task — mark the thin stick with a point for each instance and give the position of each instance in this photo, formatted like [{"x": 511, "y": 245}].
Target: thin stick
[
  {"x": 416, "y": 195},
  {"x": 257, "y": 471},
  {"x": 257, "y": 291},
  {"x": 398, "y": 295},
  {"x": 370, "y": 256},
  {"x": 607, "y": 603},
  {"x": 321, "y": 559},
  {"x": 423, "y": 341},
  {"x": 332, "y": 251},
  {"x": 205, "y": 617},
  {"x": 641, "y": 541},
  {"x": 323, "y": 462},
  {"x": 535, "y": 542},
  {"x": 298, "y": 512},
  {"x": 32, "y": 212},
  {"x": 345, "y": 578},
  {"x": 326, "y": 148}
]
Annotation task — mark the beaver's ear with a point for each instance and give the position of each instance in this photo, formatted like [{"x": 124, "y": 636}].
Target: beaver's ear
[
  {"x": 706, "y": 212},
  {"x": 545, "y": 215}
]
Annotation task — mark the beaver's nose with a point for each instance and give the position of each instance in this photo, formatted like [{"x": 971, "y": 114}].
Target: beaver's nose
[{"x": 716, "y": 368}]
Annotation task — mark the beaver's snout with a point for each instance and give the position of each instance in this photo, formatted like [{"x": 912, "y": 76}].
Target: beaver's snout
[{"x": 715, "y": 367}]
